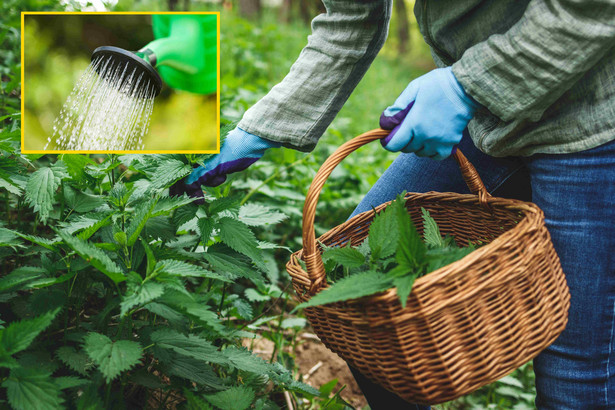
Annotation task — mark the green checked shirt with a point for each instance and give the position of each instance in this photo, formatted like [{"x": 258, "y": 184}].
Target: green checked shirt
[{"x": 543, "y": 70}]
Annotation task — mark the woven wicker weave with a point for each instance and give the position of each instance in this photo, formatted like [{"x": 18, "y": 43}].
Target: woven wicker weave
[{"x": 466, "y": 324}]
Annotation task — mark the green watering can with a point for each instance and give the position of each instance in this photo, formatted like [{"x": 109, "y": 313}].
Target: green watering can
[{"x": 184, "y": 53}]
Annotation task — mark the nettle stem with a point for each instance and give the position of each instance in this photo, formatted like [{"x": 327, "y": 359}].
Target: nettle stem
[
  {"x": 222, "y": 300},
  {"x": 278, "y": 332}
]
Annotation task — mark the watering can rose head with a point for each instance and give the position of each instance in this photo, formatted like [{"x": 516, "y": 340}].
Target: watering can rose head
[{"x": 136, "y": 71}]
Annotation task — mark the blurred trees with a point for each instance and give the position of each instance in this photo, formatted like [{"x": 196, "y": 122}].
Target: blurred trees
[
  {"x": 403, "y": 26},
  {"x": 250, "y": 8}
]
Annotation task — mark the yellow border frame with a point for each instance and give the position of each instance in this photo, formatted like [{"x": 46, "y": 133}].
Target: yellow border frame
[{"x": 23, "y": 85}]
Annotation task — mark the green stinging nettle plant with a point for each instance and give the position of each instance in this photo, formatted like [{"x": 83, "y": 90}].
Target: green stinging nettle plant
[
  {"x": 114, "y": 294},
  {"x": 393, "y": 255}
]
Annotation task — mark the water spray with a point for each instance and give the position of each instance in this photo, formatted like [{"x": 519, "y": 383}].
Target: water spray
[{"x": 110, "y": 106}]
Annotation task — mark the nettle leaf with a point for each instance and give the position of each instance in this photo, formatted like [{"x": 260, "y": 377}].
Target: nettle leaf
[
  {"x": 230, "y": 203},
  {"x": 17, "y": 336},
  {"x": 112, "y": 358},
  {"x": 347, "y": 256},
  {"x": 184, "y": 269},
  {"x": 81, "y": 222},
  {"x": 224, "y": 259},
  {"x": 255, "y": 296},
  {"x": 168, "y": 172},
  {"x": 167, "y": 204},
  {"x": 75, "y": 164},
  {"x": 9, "y": 238},
  {"x": 159, "y": 227},
  {"x": 192, "y": 346},
  {"x": 431, "y": 232},
  {"x": 293, "y": 322},
  {"x": 151, "y": 259},
  {"x": 440, "y": 257},
  {"x": 98, "y": 258},
  {"x": 141, "y": 214},
  {"x": 193, "y": 370},
  {"x": 244, "y": 309},
  {"x": 206, "y": 227},
  {"x": 20, "y": 277},
  {"x": 243, "y": 359},
  {"x": 76, "y": 360},
  {"x": 281, "y": 375},
  {"x": 141, "y": 295},
  {"x": 194, "y": 402},
  {"x": 239, "y": 237},
  {"x": 119, "y": 194},
  {"x": 80, "y": 201},
  {"x": 40, "y": 191},
  {"x": 44, "y": 242},
  {"x": 7, "y": 184},
  {"x": 351, "y": 287},
  {"x": 411, "y": 248},
  {"x": 69, "y": 382},
  {"x": 184, "y": 214},
  {"x": 384, "y": 233},
  {"x": 88, "y": 231},
  {"x": 143, "y": 378},
  {"x": 404, "y": 287},
  {"x": 235, "y": 398},
  {"x": 174, "y": 317},
  {"x": 258, "y": 215},
  {"x": 202, "y": 313},
  {"x": 29, "y": 388}
]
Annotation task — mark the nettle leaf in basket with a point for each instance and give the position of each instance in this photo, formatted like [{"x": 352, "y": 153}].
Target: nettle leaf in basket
[
  {"x": 403, "y": 284},
  {"x": 351, "y": 287},
  {"x": 384, "y": 233},
  {"x": 347, "y": 256},
  {"x": 431, "y": 232},
  {"x": 440, "y": 257},
  {"x": 411, "y": 248}
]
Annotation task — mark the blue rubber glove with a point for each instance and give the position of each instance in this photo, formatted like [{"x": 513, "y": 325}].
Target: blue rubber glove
[
  {"x": 240, "y": 150},
  {"x": 429, "y": 116}
]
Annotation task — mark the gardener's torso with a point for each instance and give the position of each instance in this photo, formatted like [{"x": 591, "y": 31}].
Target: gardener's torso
[{"x": 582, "y": 118}]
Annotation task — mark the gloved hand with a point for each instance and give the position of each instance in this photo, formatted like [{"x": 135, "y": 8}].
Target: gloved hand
[
  {"x": 240, "y": 150},
  {"x": 429, "y": 116}
]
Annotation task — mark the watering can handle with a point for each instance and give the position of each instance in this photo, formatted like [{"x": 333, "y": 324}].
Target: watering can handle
[{"x": 311, "y": 255}]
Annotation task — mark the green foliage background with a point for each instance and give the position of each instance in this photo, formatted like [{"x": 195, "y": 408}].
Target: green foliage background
[{"x": 113, "y": 295}]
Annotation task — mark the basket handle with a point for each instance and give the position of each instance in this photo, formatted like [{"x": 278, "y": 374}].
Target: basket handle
[{"x": 311, "y": 256}]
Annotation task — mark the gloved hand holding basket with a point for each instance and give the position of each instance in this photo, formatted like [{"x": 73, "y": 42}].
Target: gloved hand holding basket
[{"x": 465, "y": 325}]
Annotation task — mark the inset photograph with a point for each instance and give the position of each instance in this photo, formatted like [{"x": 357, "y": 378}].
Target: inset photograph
[{"x": 120, "y": 82}]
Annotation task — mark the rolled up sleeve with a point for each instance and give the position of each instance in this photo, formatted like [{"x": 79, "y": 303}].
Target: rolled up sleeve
[
  {"x": 344, "y": 42},
  {"x": 517, "y": 75}
]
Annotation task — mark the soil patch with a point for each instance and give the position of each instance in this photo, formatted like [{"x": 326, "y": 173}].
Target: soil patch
[{"x": 318, "y": 365}]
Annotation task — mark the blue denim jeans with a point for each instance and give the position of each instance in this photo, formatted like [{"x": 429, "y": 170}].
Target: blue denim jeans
[{"x": 577, "y": 194}]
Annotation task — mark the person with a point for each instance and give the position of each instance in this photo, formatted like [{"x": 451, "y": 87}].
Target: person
[{"x": 527, "y": 90}]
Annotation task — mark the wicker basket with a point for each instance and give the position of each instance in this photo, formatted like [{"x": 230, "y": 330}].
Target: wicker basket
[{"x": 466, "y": 324}]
